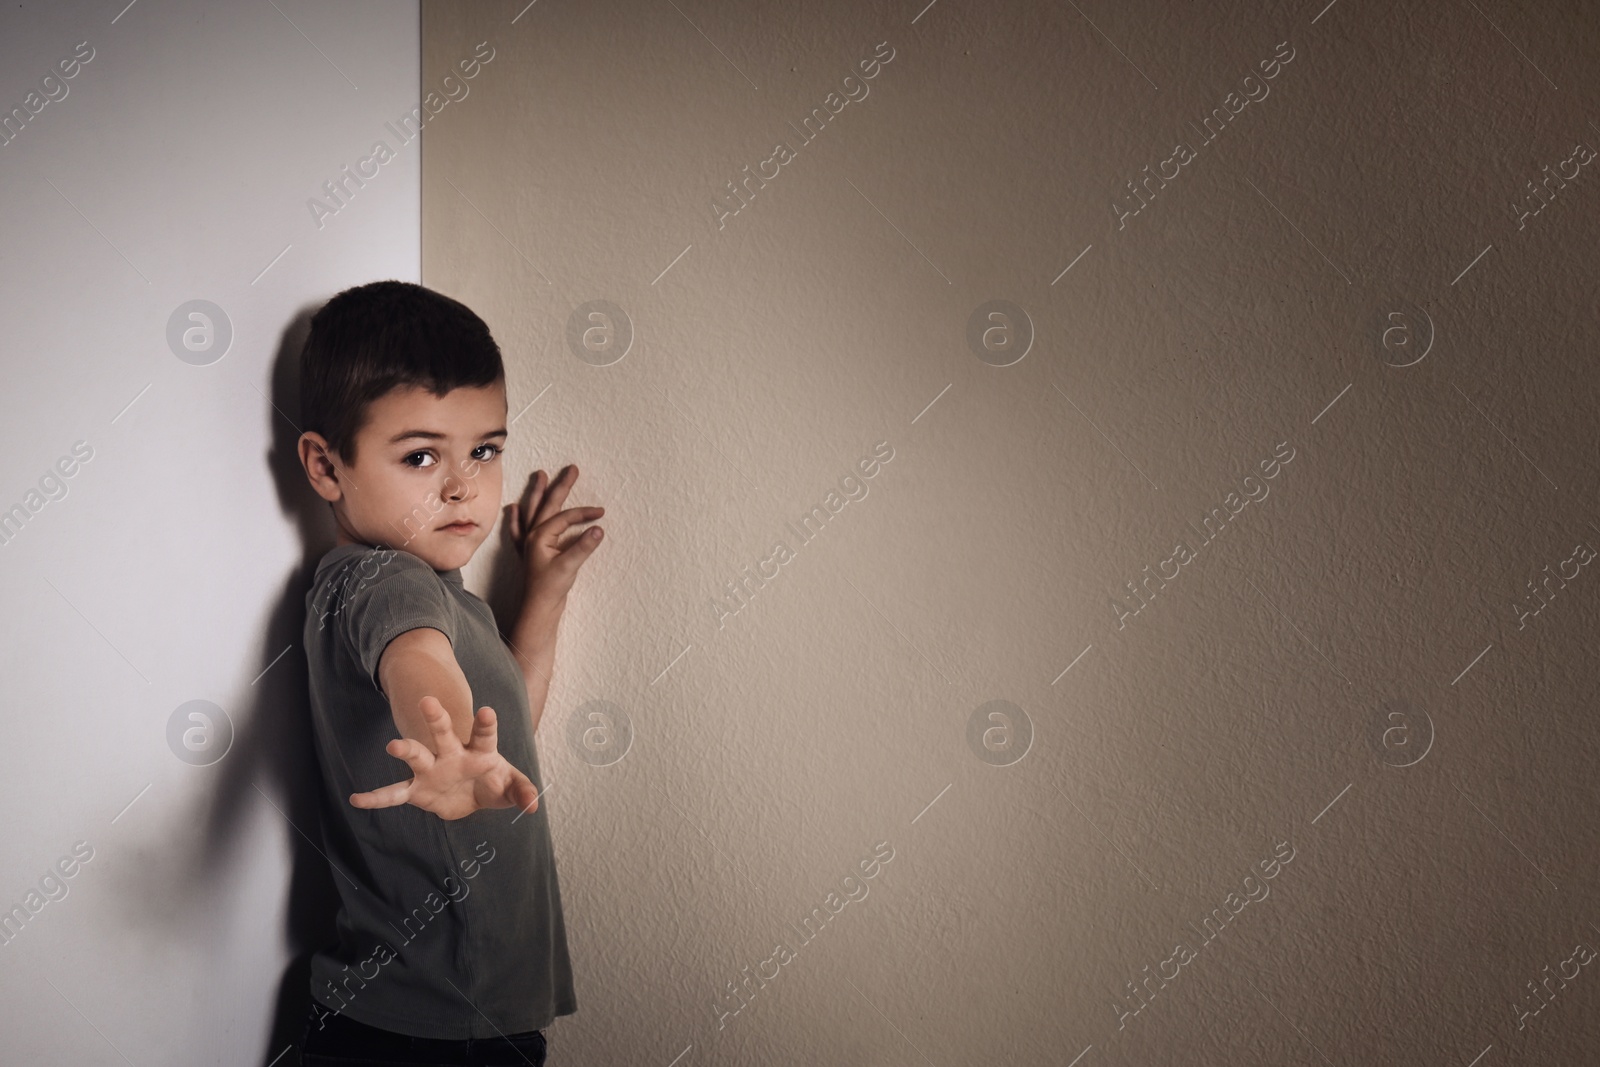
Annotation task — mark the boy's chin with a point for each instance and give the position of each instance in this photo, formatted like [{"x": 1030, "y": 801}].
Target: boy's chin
[
  {"x": 441, "y": 551},
  {"x": 448, "y": 551}
]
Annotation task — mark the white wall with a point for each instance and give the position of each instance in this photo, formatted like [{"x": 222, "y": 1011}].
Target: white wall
[{"x": 177, "y": 167}]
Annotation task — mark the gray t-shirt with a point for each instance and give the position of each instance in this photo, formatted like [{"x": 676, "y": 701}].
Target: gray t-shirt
[{"x": 448, "y": 929}]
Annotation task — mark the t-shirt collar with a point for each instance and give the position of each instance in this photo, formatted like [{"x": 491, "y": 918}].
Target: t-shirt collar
[{"x": 451, "y": 576}]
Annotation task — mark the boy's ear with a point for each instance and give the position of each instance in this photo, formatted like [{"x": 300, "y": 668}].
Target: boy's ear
[{"x": 319, "y": 468}]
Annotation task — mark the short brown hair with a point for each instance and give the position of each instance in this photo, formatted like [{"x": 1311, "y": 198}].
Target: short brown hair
[{"x": 376, "y": 337}]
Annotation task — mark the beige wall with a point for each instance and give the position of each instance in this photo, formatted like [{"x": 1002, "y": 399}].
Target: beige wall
[{"x": 1240, "y": 334}]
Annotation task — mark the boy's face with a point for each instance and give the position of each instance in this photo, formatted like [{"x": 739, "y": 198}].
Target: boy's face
[{"x": 422, "y": 464}]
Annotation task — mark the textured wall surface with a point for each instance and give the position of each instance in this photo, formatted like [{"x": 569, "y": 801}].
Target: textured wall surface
[{"x": 1195, "y": 410}]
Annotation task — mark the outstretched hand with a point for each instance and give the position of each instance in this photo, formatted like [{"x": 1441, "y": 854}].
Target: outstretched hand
[
  {"x": 458, "y": 779},
  {"x": 537, "y": 530}
]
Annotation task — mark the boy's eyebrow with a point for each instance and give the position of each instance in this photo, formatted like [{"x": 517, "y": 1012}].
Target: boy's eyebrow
[{"x": 431, "y": 435}]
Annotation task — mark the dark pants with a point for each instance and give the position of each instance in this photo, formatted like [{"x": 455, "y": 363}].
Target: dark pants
[{"x": 336, "y": 1041}]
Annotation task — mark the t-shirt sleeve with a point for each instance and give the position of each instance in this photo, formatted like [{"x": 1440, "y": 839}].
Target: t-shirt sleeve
[{"x": 391, "y": 591}]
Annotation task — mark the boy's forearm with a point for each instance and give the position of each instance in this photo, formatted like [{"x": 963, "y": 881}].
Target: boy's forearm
[
  {"x": 533, "y": 644},
  {"x": 421, "y": 663}
]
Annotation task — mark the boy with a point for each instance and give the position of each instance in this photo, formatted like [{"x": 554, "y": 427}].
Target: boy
[{"x": 452, "y": 946}]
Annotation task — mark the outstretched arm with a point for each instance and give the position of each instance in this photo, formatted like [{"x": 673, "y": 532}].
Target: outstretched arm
[{"x": 455, "y": 771}]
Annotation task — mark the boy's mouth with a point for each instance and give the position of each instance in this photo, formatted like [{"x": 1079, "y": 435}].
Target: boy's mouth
[{"x": 463, "y": 527}]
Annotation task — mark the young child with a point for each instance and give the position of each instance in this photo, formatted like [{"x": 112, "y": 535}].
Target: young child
[{"x": 452, "y": 947}]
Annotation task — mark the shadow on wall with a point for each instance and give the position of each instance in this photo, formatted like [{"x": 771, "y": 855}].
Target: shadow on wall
[
  {"x": 272, "y": 756},
  {"x": 268, "y": 751},
  {"x": 276, "y": 741}
]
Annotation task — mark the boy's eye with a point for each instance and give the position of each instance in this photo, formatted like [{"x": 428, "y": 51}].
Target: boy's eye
[{"x": 494, "y": 451}]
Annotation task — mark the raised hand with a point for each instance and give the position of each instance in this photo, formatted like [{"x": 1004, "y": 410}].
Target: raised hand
[
  {"x": 537, "y": 529},
  {"x": 458, "y": 779}
]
